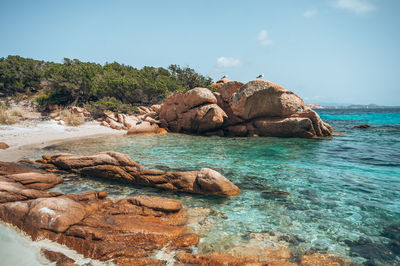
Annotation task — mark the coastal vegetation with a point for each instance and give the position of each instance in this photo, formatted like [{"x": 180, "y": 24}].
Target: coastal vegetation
[
  {"x": 9, "y": 116},
  {"x": 112, "y": 86}
]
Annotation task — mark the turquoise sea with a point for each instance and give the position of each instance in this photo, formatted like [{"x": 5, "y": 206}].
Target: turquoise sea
[{"x": 332, "y": 195}]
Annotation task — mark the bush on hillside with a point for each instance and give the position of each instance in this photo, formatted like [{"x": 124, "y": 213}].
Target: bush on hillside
[
  {"x": 97, "y": 108},
  {"x": 8, "y": 116}
]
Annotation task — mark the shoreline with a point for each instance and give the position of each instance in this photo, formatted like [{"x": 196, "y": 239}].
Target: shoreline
[{"x": 24, "y": 139}]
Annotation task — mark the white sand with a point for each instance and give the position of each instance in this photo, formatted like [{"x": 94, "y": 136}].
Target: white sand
[{"x": 24, "y": 138}]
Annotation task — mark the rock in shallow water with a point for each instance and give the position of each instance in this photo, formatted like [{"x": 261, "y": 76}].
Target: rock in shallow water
[
  {"x": 117, "y": 166},
  {"x": 128, "y": 231}
]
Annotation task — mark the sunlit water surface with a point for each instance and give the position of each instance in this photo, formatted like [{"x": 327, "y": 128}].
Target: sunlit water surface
[{"x": 332, "y": 195}]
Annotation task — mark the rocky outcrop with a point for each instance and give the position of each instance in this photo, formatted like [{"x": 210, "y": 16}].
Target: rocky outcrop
[
  {"x": 258, "y": 108},
  {"x": 128, "y": 230},
  {"x": 264, "y": 99},
  {"x": 117, "y": 166},
  {"x": 195, "y": 111},
  {"x": 145, "y": 122}
]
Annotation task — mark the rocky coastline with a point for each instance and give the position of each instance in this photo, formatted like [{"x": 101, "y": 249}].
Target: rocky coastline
[
  {"x": 257, "y": 108},
  {"x": 135, "y": 230},
  {"x": 120, "y": 167},
  {"x": 128, "y": 231}
]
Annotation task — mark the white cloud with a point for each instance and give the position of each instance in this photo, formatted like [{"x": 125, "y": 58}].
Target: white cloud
[
  {"x": 310, "y": 12},
  {"x": 263, "y": 38},
  {"x": 228, "y": 62},
  {"x": 357, "y": 6}
]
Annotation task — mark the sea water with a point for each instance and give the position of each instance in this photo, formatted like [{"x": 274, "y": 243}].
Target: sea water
[{"x": 336, "y": 195}]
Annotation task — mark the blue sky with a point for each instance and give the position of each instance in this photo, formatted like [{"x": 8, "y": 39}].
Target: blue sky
[{"x": 340, "y": 51}]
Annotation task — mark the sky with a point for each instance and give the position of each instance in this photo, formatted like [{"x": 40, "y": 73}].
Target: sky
[{"x": 326, "y": 51}]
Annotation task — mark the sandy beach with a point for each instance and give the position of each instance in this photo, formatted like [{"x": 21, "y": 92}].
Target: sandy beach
[{"x": 25, "y": 138}]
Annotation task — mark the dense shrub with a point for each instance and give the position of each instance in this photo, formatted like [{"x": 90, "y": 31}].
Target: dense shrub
[
  {"x": 97, "y": 108},
  {"x": 75, "y": 83}
]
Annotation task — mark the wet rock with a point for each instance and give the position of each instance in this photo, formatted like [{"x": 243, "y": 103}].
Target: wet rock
[
  {"x": 59, "y": 258},
  {"x": 117, "y": 166},
  {"x": 364, "y": 126},
  {"x": 3, "y": 146}
]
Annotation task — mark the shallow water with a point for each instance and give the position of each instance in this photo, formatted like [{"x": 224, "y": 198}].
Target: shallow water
[{"x": 337, "y": 195}]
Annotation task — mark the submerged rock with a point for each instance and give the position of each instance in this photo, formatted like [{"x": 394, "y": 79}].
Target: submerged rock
[
  {"x": 117, "y": 166},
  {"x": 364, "y": 126}
]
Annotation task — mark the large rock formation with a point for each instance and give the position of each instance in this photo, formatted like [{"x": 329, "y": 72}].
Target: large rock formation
[
  {"x": 259, "y": 108},
  {"x": 195, "y": 111},
  {"x": 121, "y": 167}
]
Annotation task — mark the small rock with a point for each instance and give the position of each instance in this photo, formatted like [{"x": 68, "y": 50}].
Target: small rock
[
  {"x": 3, "y": 146},
  {"x": 364, "y": 126}
]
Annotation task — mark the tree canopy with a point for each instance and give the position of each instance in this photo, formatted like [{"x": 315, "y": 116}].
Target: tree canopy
[{"x": 74, "y": 82}]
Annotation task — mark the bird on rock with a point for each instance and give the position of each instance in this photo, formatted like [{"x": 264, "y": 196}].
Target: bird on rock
[{"x": 260, "y": 76}]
